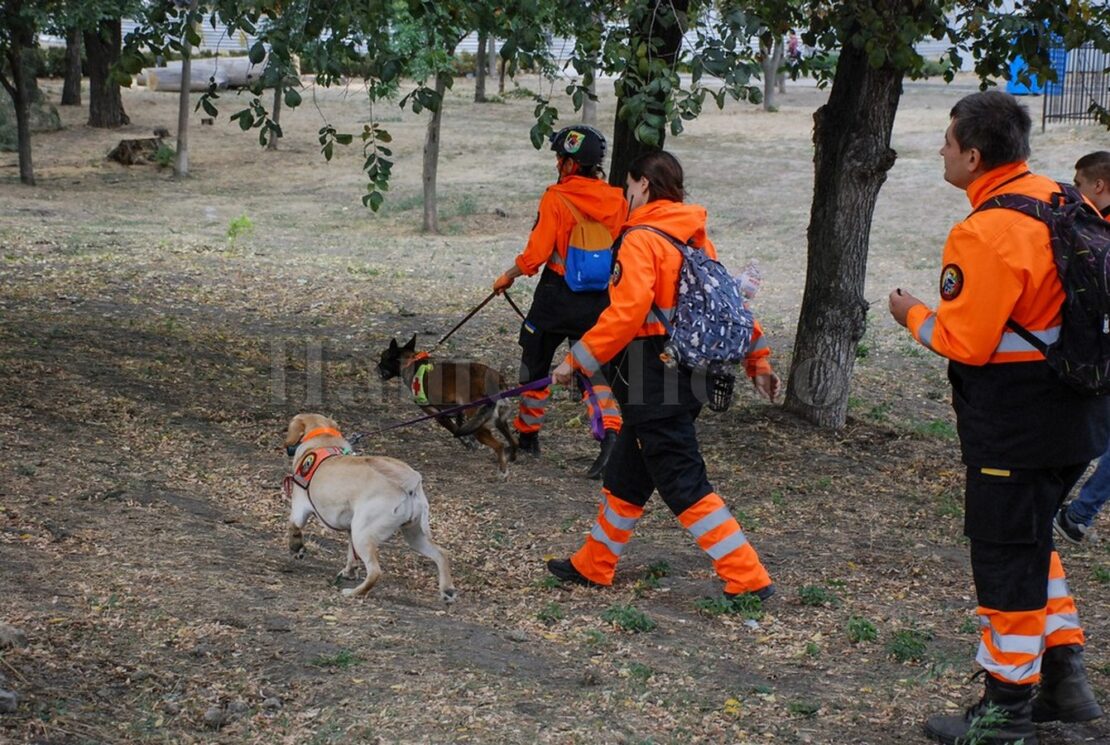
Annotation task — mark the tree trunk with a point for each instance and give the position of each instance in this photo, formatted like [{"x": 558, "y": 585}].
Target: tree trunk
[
  {"x": 71, "y": 88},
  {"x": 431, "y": 158},
  {"x": 102, "y": 47},
  {"x": 501, "y": 76},
  {"x": 668, "y": 43},
  {"x": 771, "y": 61},
  {"x": 181, "y": 162},
  {"x": 491, "y": 56},
  {"x": 276, "y": 116},
  {"x": 20, "y": 93},
  {"x": 852, "y": 138},
  {"x": 480, "y": 69},
  {"x": 589, "y": 106}
]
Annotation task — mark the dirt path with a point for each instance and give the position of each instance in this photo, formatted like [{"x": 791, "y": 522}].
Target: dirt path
[{"x": 148, "y": 366}]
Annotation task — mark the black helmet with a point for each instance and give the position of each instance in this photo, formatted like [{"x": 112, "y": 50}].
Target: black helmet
[{"x": 581, "y": 143}]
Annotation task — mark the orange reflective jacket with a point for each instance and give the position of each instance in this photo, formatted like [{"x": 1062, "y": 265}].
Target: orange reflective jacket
[
  {"x": 997, "y": 265},
  {"x": 646, "y": 271},
  {"x": 548, "y": 241}
]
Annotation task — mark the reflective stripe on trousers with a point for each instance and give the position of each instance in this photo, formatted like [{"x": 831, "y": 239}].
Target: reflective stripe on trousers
[
  {"x": 1013, "y": 642},
  {"x": 533, "y": 405},
  {"x": 611, "y": 531},
  {"x": 1061, "y": 624},
  {"x": 718, "y": 533}
]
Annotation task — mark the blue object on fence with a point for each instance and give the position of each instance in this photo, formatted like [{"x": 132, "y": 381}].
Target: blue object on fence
[{"x": 1017, "y": 88}]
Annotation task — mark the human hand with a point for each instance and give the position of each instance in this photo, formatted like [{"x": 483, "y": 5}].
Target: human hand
[
  {"x": 563, "y": 374},
  {"x": 768, "y": 385},
  {"x": 900, "y": 303},
  {"x": 502, "y": 283}
]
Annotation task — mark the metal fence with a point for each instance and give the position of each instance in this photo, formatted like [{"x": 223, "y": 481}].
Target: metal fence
[{"x": 1082, "y": 80}]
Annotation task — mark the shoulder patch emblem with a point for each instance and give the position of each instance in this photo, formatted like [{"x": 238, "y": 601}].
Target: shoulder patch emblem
[
  {"x": 615, "y": 277},
  {"x": 951, "y": 282}
]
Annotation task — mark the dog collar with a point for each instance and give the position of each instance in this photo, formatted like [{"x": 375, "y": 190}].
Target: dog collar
[
  {"x": 291, "y": 450},
  {"x": 319, "y": 431},
  {"x": 418, "y": 357}
]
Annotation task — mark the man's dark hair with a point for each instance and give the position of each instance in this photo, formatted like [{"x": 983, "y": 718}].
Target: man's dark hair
[
  {"x": 664, "y": 175},
  {"x": 995, "y": 124},
  {"x": 1095, "y": 165}
]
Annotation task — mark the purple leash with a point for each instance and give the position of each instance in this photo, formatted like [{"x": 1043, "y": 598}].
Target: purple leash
[{"x": 535, "y": 385}]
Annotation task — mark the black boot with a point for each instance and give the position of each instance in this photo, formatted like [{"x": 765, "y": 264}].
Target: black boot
[
  {"x": 564, "y": 571},
  {"x": 529, "y": 442},
  {"x": 1014, "y": 721},
  {"x": 1065, "y": 695},
  {"x": 597, "y": 470}
]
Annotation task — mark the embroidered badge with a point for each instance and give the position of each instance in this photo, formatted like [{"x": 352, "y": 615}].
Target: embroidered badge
[
  {"x": 615, "y": 277},
  {"x": 306, "y": 464},
  {"x": 951, "y": 282},
  {"x": 573, "y": 142}
]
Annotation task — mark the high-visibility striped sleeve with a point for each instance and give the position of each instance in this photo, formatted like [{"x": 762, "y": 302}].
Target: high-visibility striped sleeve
[
  {"x": 758, "y": 361},
  {"x": 544, "y": 238},
  {"x": 630, "y": 301}
]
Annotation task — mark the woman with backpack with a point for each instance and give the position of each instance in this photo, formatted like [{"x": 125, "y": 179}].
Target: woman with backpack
[
  {"x": 657, "y": 447},
  {"x": 579, "y": 208}
]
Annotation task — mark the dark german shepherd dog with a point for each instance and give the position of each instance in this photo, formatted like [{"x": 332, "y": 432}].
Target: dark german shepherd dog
[{"x": 447, "y": 383}]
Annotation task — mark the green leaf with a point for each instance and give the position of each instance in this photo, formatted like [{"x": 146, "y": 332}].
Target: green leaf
[
  {"x": 344, "y": 139},
  {"x": 208, "y": 107},
  {"x": 245, "y": 120},
  {"x": 257, "y": 53},
  {"x": 376, "y": 199}
]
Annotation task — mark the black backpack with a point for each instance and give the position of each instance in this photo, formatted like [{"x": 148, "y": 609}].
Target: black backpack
[{"x": 1081, "y": 249}]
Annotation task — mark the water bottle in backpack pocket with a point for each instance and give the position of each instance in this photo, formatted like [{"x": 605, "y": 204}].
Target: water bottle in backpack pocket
[
  {"x": 589, "y": 253},
  {"x": 1080, "y": 239}
]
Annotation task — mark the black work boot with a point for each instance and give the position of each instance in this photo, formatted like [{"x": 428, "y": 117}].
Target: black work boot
[
  {"x": 1064, "y": 695},
  {"x": 597, "y": 470},
  {"x": 1012, "y": 706},
  {"x": 529, "y": 442},
  {"x": 564, "y": 571}
]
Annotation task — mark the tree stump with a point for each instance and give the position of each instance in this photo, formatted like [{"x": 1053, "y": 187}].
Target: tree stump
[{"x": 135, "y": 152}]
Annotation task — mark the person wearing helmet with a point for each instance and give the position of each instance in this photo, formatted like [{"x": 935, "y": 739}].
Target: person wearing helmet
[{"x": 578, "y": 203}]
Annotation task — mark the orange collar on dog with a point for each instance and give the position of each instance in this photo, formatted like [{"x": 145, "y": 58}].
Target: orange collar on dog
[
  {"x": 418, "y": 357},
  {"x": 321, "y": 431}
]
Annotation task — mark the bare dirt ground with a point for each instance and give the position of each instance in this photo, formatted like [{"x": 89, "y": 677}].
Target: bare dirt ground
[{"x": 148, "y": 366}]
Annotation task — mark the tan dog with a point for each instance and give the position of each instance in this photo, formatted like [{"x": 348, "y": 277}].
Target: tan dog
[{"x": 370, "y": 497}]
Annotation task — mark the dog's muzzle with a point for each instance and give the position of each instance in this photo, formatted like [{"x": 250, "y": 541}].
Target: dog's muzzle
[{"x": 291, "y": 450}]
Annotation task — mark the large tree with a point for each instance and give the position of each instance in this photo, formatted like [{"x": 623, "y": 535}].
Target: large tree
[
  {"x": 20, "y": 21},
  {"x": 102, "y": 49}
]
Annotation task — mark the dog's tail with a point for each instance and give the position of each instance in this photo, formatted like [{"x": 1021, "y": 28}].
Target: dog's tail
[{"x": 478, "y": 421}]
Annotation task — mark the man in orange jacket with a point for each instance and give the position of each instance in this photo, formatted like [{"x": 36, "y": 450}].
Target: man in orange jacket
[
  {"x": 558, "y": 313},
  {"x": 658, "y": 446},
  {"x": 1026, "y": 438}
]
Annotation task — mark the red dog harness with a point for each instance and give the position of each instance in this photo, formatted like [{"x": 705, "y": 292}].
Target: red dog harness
[{"x": 303, "y": 474}]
